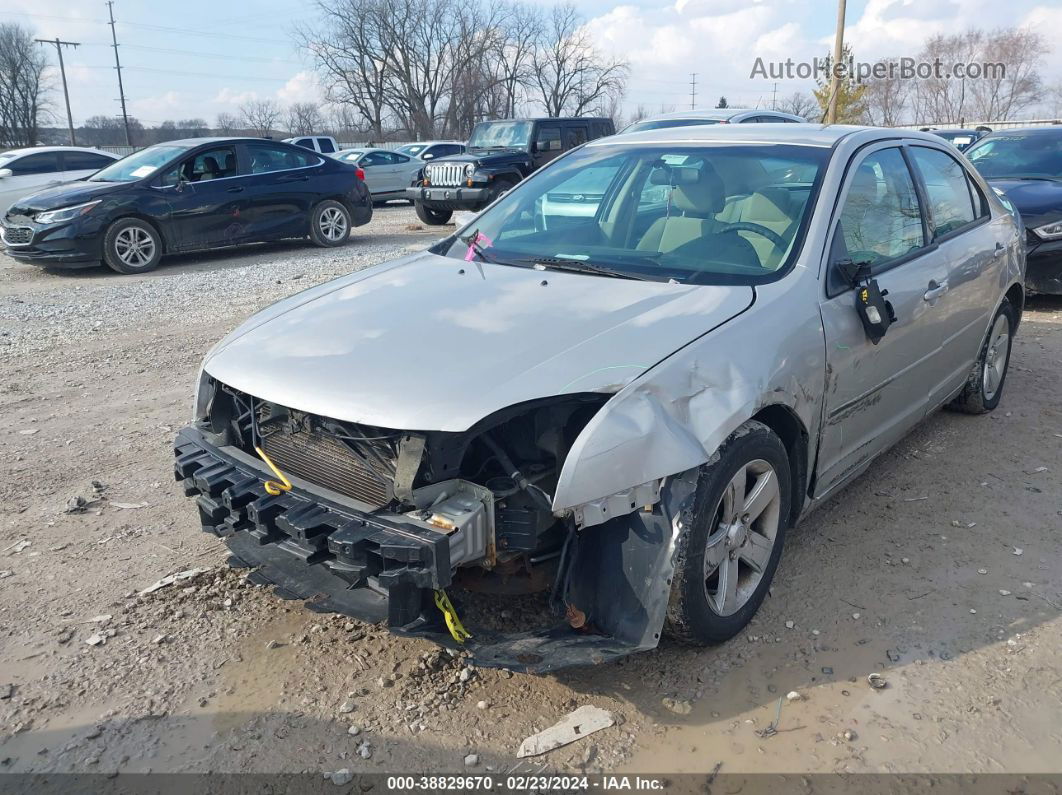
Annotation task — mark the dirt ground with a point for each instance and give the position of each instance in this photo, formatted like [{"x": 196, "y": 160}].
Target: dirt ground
[{"x": 940, "y": 570}]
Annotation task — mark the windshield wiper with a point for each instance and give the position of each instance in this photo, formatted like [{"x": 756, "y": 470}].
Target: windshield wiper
[
  {"x": 472, "y": 241},
  {"x": 580, "y": 266}
]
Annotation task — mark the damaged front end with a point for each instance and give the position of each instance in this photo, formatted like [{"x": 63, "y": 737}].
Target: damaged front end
[{"x": 376, "y": 523}]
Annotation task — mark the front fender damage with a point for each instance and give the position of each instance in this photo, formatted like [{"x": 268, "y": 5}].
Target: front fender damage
[{"x": 617, "y": 579}]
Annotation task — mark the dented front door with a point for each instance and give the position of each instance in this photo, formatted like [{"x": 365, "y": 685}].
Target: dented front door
[{"x": 875, "y": 393}]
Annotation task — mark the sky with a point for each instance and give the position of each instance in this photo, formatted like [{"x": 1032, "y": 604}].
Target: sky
[{"x": 198, "y": 58}]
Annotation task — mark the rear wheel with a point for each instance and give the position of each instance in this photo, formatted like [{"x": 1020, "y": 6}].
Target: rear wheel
[
  {"x": 131, "y": 245},
  {"x": 433, "y": 217},
  {"x": 730, "y": 549},
  {"x": 329, "y": 224},
  {"x": 984, "y": 387}
]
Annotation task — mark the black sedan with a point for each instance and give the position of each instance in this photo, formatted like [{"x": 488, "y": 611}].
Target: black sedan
[
  {"x": 187, "y": 195},
  {"x": 1026, "y": 165}
]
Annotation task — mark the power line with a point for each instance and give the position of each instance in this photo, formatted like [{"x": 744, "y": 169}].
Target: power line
[
  {"x": 62, "y": 70},
  {"x": 118, "y": 67}
]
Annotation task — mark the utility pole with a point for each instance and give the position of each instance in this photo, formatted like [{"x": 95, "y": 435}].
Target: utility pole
[
  {"x": 835, "y": 77},
  {"x": 774, "y": 98},
  {"x": 118, "y": 67},
  {"x": 693, "y": 90},
  {"x": 62, "y": 70}
]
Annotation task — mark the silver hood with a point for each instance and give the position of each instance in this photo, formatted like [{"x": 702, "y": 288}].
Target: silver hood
[{"x": 432, "y": 343}]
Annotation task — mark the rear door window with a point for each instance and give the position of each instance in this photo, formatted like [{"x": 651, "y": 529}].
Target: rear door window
[
  {"x": 325, "y": 145},
  {"x": 39, "y": 163},
  {"x": 575, "y": 136},
  {"x": 951, "y": 205},
  {"x": 267, "y": 157},
  {"x": 84, "y": 161}
]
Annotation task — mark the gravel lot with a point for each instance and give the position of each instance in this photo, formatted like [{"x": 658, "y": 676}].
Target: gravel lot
[{"x": 939, "y": 569}]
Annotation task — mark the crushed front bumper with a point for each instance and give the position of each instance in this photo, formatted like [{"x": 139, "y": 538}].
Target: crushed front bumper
[{"x": 338, "y": 557}]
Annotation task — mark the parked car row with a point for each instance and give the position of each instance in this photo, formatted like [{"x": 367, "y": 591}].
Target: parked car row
[
  {"x": 187, "y": 195},
  {"x": 439, "y": 177},
  {"x": 646, "y": 362}
]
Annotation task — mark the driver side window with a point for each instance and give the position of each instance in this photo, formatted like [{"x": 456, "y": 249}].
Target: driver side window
[{"x": 881, "y": 220}]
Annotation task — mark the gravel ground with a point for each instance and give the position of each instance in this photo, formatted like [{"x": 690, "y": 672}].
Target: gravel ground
[{"x": 939, "y": 569}]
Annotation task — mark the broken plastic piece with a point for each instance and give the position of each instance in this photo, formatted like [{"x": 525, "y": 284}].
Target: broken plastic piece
[{"x": 574, "y": 726}]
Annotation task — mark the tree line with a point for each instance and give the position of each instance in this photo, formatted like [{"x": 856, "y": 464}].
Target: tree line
[{"x": 431, "y": 68}]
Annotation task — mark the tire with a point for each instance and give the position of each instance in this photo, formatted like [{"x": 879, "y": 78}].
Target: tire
[
  {"x": 329, "y": 224},
  {"x": 501, "y": 186},
  {"x": 724, "y": 544},
  {"x": 984, "y": 386},
  {"x": 131, "y": 245},
  {"x": 432, "y": 217}
]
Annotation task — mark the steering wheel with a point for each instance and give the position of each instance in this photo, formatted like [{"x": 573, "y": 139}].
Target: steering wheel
[{"x": 746, "y": 226}]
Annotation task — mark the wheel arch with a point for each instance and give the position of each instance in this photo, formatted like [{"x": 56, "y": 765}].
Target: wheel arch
[
  {"x": 788, "y": 427},
  {"x": 1016, "y": 295},
  {"x": 152, "y": 222}
]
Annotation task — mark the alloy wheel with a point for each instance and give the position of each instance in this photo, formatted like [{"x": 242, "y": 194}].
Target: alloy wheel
[
  {"x": 134, "y": 246},
  {"x": 740, "y": 545},
  {"x": 995, "y": 364},
  {"x": 332, "y": 223}
]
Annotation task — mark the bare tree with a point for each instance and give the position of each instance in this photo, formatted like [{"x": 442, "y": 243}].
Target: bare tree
[
  {"x": 516, "y": 49},
  {"x": 260, "y": 115},
  {"x": 570, "y": 75},
  {"x": 22, "y": 86},
  {"x": 940, "y": 97},
  {"x": 799, "y": 103},
  {"x": 887, "y": 99},
  {"x": 351, "y": 52},
  {"x": 305, "y": 118},
  {"x": 226, "y": 124},
  {"x": 1002, "y": 94}
]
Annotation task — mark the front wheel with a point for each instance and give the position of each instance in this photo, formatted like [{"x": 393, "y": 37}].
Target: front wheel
[
  {"x": 984, "y": 387},
  {"x": 131, "y": 245},
  {"x": 732, "y": 542},
  {"x": 329, "y": 224},
  {"x": 433, "y": 217}
]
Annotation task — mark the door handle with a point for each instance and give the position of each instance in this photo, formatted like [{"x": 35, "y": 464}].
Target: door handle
[
  {"x": 293, "y": 179},
  {"x": 935, "y": 291},
  {"x": 234, "y": 190},
  {"x": 999, "y": 250}
]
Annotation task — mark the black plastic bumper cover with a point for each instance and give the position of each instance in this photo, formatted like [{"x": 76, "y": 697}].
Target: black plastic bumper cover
[{"x": 338, "y": 558}]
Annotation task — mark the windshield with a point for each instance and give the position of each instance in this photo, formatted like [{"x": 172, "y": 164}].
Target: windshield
[
  {"x": 706, "y": 214},
  {"x": 664, "y": 124},
  {"x": 139, "y": 164},
  {"x": 1032, "y": 155},
  {"x": 411, "y": 149},
  {"x": 500, "y": 135},
  {"x": 351, "y": 154}
]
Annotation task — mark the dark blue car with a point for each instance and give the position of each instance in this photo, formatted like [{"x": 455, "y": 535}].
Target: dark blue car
[
  {"x": 1026, "y": 164},
  {"x": 187, "y": 195}
]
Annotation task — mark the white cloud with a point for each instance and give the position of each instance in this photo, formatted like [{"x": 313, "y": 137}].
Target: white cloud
[{"x": 302, "y": 87}]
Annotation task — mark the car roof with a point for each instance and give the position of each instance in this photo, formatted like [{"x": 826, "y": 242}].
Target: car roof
[
  {"x": 825, "y": 135},
  {"x": 430, "y": 143},
  {"x": 29, "y": 150},
  {"x": 713, "y": 113},
  {"x": 1046, "y": 129},
  {"x": 548, "y": 118}
]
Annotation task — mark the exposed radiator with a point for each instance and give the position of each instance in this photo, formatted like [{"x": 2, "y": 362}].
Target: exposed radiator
[{"x": 327, "y": 462}]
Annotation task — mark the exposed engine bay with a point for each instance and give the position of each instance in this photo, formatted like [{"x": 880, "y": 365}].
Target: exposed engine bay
[
  {"x": 377, "y": 523},
  {"x": 467, "y": 486}
]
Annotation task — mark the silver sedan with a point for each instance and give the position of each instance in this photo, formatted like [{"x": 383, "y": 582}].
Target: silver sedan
[
  {"x": 387, "y": 173},
  {"x": 619, "y": 386}
]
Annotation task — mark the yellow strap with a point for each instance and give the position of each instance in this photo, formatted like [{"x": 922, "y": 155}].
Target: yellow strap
[
  {"x": 453, "y": 623},
  {"x": 271, "y": 486}
]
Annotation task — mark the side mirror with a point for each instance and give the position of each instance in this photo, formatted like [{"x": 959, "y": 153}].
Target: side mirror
[
  {"x": 534, "y": 147},
  {"x": 5, "y": 172}
]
